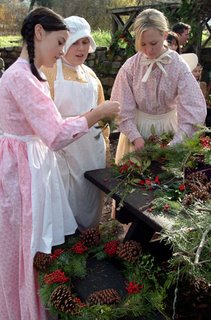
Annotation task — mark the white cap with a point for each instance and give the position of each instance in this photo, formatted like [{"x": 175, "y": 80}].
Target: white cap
[
  {"x": 79, "y": 28},
  {"x": 191, "y": 59}
]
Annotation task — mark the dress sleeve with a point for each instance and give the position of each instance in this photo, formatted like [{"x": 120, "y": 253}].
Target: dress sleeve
[
  {"x": 41, "y": 113},
  {"x": 122, "y": 91},
  {"x": 191, "y": 109}
]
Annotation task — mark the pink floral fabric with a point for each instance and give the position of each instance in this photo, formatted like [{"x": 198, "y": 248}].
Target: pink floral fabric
[
  {"x": 26, "y": 109},
  {"x": 159, "y": 95}
]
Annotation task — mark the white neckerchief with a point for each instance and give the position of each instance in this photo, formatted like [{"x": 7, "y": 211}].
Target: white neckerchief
[
  {"x": 78, "y": 69},
  {"x": 162, "y": 59}
]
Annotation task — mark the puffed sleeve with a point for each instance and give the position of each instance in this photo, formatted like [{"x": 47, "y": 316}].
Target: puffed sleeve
[
  {"x": 41, "y": 113},
  {"x": 191, "y": 109},
  {"x": 122, "y": 91}
]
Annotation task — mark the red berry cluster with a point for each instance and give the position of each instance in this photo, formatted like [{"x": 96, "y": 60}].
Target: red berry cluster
[
  {"x": 57, "y": 276},
  {"x": 110, "y": 247},
  {"x": 129, "y": 166},
  {"x": 134, "y": 287},
  {"x": 124, "y": 38},
  {"x": 166, "y": 207},
  {"x": 57, "y": 253},
  {"x": 79, "y": 302},
  {"x": 205, "y": 142},
  {"x": 181, "y": 187},
  {"x": 79, "y": 247},
  {"x": 149, "y": 183}
]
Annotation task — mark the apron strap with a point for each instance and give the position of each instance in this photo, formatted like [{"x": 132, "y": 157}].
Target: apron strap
[{"x": 59, "y": 73}]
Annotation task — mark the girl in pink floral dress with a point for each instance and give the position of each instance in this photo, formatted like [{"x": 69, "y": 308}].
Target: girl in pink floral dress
[
  {"x": 34, "y": 211},
  {"x": 155, "y": 88}
]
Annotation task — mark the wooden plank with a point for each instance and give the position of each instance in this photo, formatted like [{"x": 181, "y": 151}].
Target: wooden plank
[
  {"x": 130, "y": 21},
  {"x": 134, "y": 202},
  {"x": 118, "y": 20}
]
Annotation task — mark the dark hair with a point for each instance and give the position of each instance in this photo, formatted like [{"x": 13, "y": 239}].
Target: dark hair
[
  {"x": 180, "y": 27},
  {"x": 173, "y": 36},
  {"x": 49, "y": 20}
]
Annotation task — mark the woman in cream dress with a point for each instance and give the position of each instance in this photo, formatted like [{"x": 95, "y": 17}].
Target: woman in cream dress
[{"x": 75, "y": 88}]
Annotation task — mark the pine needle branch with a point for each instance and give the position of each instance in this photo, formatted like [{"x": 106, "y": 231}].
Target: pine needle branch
[{"x": 201, "y": 245}]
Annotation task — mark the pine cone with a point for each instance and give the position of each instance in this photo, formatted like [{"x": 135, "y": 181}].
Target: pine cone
[
  {"x": 208, "y": 186},
  {"x": 197, "y": 177},
  {"x": 63, "y": 301},
  {"x": 42, "y": 261},
  {"x": 107, "y": 296},
  {"x": 199, "y": 185},
  {"x": 129, "y": 251},
  {"x": 201, "y": 194},
  {"x": 188, "y": 200},
  {"x": 201, "y": 285},
  {"x": 153, "y": 139},
  {"x": 90, "y": 237}
]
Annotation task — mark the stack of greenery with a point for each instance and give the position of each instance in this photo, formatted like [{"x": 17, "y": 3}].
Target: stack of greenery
[{"x": 179, "y": 177}]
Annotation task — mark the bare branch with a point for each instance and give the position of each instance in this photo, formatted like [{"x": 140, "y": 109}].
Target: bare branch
[{"x": 201, "y": 245}]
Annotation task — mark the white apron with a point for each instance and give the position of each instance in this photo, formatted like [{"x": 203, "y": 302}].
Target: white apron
[
  {"x": 52, "y": 217},
  {"x": 74, "y": 98},
  {"x": 162, "y": 123}
]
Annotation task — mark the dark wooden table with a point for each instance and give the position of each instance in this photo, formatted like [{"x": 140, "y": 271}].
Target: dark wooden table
[{"x": 143, "y": 225}]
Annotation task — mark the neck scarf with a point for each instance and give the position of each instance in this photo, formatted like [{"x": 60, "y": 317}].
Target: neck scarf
[{"x": 162, "y": 59}]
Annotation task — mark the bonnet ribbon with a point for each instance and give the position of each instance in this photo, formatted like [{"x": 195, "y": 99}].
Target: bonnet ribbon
[{"x": 162, "y": 59}]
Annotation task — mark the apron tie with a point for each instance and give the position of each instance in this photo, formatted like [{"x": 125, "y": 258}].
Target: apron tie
[{"x": 163, "y": 59}]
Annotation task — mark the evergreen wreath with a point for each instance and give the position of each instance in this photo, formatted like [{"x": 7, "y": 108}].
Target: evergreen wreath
[{"x": 68, "y": 263}]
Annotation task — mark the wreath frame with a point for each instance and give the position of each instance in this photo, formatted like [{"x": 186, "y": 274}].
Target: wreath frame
[{"x": 145, "y": 295}]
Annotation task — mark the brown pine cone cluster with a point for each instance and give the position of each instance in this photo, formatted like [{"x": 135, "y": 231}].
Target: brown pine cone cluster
[
  {"x": 90, "y": 237},
  {"x": 63, "y": 301},
  {"x": 201, "y": 285},
  {"x": 42, "y": 261},
  {"x": 129, "y": 250},
  {"x": 154, "y": 139},
  {"x": 199, "y": 186},
  {"x": 107, "y": 296}
]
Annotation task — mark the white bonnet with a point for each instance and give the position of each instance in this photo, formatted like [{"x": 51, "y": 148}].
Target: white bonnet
[
  {"x": 79, "y": 28},
  {"x": 191, "y": 59}
]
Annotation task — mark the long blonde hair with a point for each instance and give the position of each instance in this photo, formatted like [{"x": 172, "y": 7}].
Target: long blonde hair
[{"x": 149, "y": 19}]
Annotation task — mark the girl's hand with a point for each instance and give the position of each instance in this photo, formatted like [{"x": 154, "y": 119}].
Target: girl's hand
[
  {"x": 109, "y": 109},
  {"x": 138, "y": 143}
]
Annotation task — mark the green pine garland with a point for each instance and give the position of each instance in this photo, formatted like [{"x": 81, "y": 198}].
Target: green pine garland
[{"x": 148, "y": 299}]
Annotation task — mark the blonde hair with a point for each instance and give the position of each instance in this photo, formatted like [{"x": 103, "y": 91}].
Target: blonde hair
[{"x": 149, "y": 19}]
